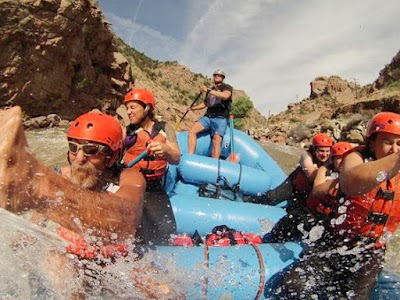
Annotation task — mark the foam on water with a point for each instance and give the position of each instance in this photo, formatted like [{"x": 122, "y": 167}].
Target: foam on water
[{"x": 34, "y": 265}]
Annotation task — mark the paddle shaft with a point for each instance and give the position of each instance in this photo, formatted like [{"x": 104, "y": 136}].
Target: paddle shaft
[{"x": 187, "y": 111}]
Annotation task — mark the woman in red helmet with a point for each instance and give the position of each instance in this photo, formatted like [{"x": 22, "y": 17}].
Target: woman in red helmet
[
  {"x": 296, "y": 189},
  {"x": 323, "y": 200},
  {"x": 146, "y": 132},
  {"x": 298, "y": 184},
  {"x": 345, "y": 262}
]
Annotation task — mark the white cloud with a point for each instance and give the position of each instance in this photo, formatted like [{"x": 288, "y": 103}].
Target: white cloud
[
  {"x": 273, "y": 49},
  {"x": 144, "y": 38}
]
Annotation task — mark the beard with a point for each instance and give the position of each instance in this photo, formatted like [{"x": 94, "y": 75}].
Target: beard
[{"x": 86, "y": 176}]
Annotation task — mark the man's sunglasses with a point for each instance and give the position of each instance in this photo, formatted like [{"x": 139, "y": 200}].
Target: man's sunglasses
[
  {"x": 88, "y": 149},
  {"x": 219, "y": 75}
]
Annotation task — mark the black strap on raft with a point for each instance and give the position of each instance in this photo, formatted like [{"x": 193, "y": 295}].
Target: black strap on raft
[{"x": 222, "y": 188}]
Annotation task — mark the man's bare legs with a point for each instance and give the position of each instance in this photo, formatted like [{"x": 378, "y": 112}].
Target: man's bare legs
[
  {"x": 195, "y": 129},
  {"x": 216, "y": 146},
  {"x": 26, "y": 184}
]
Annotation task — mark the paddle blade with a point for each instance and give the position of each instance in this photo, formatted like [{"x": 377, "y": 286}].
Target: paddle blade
[
  {"x": 176, "y": 126},
  {"x": 233, "y": 157}
]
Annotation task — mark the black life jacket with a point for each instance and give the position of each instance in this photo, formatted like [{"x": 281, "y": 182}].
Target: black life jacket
[{"x": 217, "y": 106}]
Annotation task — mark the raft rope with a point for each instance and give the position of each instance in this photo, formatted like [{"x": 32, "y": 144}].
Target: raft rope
[
  {"x": 262, "y": 272},
  {"x": 205, "y": 279},
  {"x": 260, "y": 263}
]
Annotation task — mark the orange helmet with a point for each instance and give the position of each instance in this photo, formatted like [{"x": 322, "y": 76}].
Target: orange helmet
[
  {"x": 142, "y": 95},
  {"x": 341, "y": 148},
  {"x": 384, "y": 122},
  {"x": 97, "y": 127},
  {"x": 322, "y": 140}
]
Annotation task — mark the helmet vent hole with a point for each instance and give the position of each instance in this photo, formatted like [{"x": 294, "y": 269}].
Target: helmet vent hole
[
  {"x": 390, "y": 121},
  {"x": 89, "y": 125}
]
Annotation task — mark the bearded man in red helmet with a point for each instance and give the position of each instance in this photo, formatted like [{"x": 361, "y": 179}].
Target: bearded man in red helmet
[
  {"x": 95, "y": 142},
  {"x": 346, "y": 261},
  {"x": 95, "y": 207},
  {"x": 143, "y": 133}
]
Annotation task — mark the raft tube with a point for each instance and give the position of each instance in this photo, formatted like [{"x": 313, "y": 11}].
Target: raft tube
[
  {"x": 198, "y": 169},
  {"x": 203, "y": 214},
  {"x": 250, "y": 152}
]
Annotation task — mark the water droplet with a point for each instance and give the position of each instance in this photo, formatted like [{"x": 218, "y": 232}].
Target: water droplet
[
  {"x": 334, "y": 175},
  {"x": 382, "y": 175}
]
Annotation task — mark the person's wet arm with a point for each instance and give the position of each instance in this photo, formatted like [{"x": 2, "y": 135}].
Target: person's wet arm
[
  {"x": 308, "y": 166},
  {"x": 112, "y": 217},
  {"x": 321, "y": 185},
  {"x": 132, "y": 186},
  {"x": 358, "y": 178}
]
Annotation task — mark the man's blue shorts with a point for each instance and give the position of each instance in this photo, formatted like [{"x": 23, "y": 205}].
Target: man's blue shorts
[{"x": 216, "y": 125}]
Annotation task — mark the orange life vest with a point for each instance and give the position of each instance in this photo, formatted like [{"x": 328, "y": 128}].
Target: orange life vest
[
  {"x": 374, "y": 213},
  {"x": 300, "y": 181},
  {"x": 151, "y": 167},
  {"x": 325, "y": 205}
]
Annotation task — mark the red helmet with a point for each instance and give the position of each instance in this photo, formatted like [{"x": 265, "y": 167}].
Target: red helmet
[
  {"x": 142, "y": 95},
  {"x": 322, "y": 140},
  {"x": 97, "y": 127},
  {"x": 384, "y": 122},
  {"x": 341, "y": 148}
]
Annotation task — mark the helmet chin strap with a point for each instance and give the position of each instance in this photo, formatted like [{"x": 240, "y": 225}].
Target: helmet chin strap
[{"x": 146, "y": 113}]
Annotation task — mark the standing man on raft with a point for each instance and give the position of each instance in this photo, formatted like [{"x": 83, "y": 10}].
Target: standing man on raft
[{"x": 218, "y": 100}]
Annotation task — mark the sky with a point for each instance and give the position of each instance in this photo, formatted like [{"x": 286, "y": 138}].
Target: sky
[{"x": 271, "y": 49}]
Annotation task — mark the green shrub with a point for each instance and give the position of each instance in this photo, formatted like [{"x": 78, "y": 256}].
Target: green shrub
[
  {"x": 242, "y": 107},
  {"x": 239, "y": 123},
  {"x": 166, "y": 84}
]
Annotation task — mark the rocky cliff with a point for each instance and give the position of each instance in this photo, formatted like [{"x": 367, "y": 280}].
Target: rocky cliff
[
  {"x": 58, "y": 56},
  {"x": 336, "y": 106}
]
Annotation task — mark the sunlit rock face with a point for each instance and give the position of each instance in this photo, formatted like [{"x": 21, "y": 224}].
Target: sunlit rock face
[{"x": 58, "y": 57}]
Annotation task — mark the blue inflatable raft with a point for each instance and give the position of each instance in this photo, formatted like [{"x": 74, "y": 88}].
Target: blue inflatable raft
[{"x": 250, "y": 269}]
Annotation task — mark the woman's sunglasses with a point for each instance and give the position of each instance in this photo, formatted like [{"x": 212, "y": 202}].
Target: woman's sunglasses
[{"x": 88, "y": 149}]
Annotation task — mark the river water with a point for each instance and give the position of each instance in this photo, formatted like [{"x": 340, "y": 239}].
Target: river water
[{"x": 25, "y": 250}]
